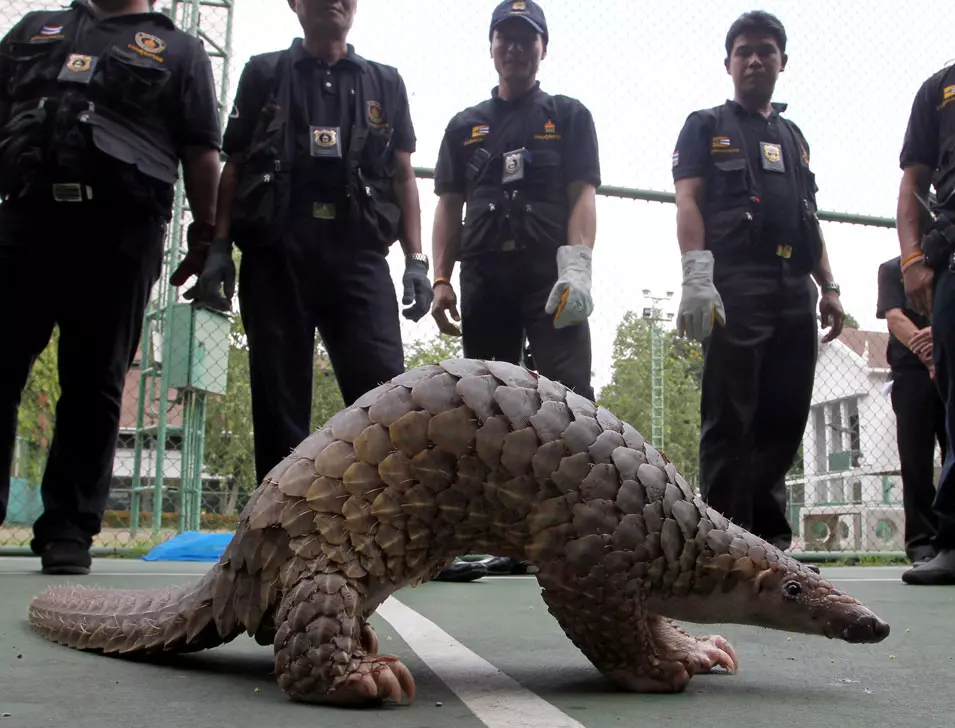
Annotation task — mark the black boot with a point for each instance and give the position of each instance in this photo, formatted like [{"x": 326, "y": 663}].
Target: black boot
[
  {"x": 461, "y": 571},
  {"x": 65, "y": 557},
  {"x": 938, "y": 571}
]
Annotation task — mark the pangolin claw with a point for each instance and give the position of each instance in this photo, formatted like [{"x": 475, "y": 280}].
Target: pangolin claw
[{"x": 377, "y": 678}]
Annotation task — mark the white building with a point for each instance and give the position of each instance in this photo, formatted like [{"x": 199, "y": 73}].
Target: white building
[{"x": 849, "y": 497}]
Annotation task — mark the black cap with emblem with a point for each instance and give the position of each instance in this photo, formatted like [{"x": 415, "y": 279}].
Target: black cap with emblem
[{"x": 528, "y": 10}]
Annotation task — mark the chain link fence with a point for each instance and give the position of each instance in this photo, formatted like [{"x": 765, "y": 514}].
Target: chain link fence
[{"x": 184, "y": 459}]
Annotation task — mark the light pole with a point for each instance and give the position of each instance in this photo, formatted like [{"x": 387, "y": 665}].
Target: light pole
[{"x": 655, "y": 313}]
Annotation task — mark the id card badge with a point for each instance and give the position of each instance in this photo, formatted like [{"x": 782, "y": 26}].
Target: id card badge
[
  {"x": 513, "y": 166},
  {"x": 772, "y": 156},
  {"x": 77, "y": 69},
  {"x": 325, "y": 142}
]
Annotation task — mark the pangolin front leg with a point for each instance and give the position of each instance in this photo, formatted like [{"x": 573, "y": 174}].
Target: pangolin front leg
[
  {"x": 635, "y": 650},
  {"x": 324, "y": 649},
  {"x": 696, "y": 654}
]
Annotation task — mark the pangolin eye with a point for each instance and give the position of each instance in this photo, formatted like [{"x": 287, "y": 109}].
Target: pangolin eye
[{"x": 792, "y": 589}]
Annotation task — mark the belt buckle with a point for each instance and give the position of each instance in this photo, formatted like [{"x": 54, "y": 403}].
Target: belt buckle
[{"x": 69, "y": 192}]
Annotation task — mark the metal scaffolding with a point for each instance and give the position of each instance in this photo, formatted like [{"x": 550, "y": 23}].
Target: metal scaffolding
[{"x": 173, "y": 339}]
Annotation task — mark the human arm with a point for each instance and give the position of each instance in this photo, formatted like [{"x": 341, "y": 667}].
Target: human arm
[
  {"x": 917, "y": 159},
  {"x": 570, "y": 299},
  {"x": 197, "y": 135},
  {"x": 219, "y": 269},
  {"x": 418, "y": 293},
  {"x": 701, "y": 305},
  {"x": 831, "y": 312},
  {"x": 449, "y": 186}
]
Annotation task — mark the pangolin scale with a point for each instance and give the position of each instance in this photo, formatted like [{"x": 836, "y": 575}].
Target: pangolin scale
[{"x": 469, "y": 456}]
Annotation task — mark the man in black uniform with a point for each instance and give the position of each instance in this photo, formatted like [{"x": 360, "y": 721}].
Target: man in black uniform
[
  {"x": 318, "y": 184},
  {"x": 750, "y": 240},
  {"x": 525, "y": 162},
  {"x": 919, "y": 410},
  {"x": 99, "y": 103},
  {"x": 927, "y": 261}
]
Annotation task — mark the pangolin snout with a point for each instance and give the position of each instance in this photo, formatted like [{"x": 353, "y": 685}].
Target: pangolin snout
[{"x": 865, "y": 630}]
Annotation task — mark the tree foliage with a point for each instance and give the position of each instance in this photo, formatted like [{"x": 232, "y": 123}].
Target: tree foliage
[
  {"x": 629, "y": 393},
  {"x": 37, "y": 414}
]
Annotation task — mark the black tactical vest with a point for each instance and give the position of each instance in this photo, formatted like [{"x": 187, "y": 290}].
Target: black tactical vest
[
  {"x": 733, "y": 214},
  {"x": 260, "y": 206},
  {"x": 88, "y": 110},
  {"x": 515, "y": 189}
]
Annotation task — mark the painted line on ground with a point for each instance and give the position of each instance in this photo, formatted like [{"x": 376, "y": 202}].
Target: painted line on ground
[{"x": 496, "y": 699}]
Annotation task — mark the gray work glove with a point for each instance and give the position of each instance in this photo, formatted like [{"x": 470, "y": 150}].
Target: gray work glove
[
  {"x": 218, "y": 271},
  {"x": 417, "y": 291},
  {"x": 701, "y": 305},
  {"x": 570, "y": 300}
]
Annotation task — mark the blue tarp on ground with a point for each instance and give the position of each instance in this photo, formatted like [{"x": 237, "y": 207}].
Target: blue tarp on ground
[{"x": 191, "y": 546}]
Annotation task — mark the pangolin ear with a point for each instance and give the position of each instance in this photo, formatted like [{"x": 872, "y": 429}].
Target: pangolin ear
[{"x": 761, "y": 580}]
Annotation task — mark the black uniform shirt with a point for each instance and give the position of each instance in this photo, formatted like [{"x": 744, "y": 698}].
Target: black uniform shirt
[
  {"x": 323, "y": 96},
  {"x": 930, "y": 133},
  {"x": 188, "y": 102},
  {"x": 892, "y": 295},
  {"x": 580, "y": 160},
  {"x": 779, "y": 197}
]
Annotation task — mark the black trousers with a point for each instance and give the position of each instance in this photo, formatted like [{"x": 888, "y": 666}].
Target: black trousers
[
  {"x": 757, "y": 385},
  {"x": 943, "y": 354},
  {"x": 90, "y": 272},
  {"x": 286, "y": 292},
  {"x": 502, "y": 298},
  {"x": 920, "y": 423}
]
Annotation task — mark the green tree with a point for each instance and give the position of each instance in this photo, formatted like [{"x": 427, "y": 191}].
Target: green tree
[
  {"x": 433, "y": 350},
  {"x": 628, "y": 395},
  {"x": 851, "y": 322},
  {"x": 36, "y": 416}
]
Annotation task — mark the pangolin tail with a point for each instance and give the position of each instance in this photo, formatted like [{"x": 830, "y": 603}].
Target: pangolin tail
[{"x": 125, "y": 621}]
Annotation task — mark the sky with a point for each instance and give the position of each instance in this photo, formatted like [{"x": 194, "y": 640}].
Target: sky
[{"x": 641, "y": 67}]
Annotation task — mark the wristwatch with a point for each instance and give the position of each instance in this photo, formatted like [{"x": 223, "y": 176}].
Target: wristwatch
[
  {"x": 831, "y": 286},
  {"x": 420, "y": 257}
]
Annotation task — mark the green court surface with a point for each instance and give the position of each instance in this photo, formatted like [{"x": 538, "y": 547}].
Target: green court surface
[{"x": 488, "y": 654}]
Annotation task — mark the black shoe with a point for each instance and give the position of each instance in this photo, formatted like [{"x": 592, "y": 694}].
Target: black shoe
[
  {"x": 461, "y": 571},
  {"x": 937, "y": 571},
  {"x": 65, "y": 557},
  {"x": 503, "y": 566}
]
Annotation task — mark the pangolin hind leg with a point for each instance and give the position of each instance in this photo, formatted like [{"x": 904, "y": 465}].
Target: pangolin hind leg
[
  {"x": 323, "y": 647},
  {"x": 635, "y": 650}
]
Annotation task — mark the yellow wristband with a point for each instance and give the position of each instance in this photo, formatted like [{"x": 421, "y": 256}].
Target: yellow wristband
[{"x": 917, "y": 255}]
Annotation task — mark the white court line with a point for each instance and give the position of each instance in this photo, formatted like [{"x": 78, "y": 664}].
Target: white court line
[{"x": 496, "y": 699}]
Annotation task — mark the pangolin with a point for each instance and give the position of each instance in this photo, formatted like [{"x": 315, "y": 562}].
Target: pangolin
[{"x": 469, "y": 456}]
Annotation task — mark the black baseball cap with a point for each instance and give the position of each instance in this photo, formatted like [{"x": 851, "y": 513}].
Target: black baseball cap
[{"x": 527, "y": 10}]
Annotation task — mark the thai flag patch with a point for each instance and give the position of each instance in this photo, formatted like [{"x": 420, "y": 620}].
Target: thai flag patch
[
  {"x": 676, "y": 158},
  {"x": 50, "y": 29}
]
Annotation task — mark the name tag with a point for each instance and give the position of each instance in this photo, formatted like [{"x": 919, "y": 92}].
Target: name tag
[
  {"x": 513, "y": 166},
  {"x": 325, "y": 142},
  {"x": 772, "y": 156},
  {"x": 77, "y": 69}
]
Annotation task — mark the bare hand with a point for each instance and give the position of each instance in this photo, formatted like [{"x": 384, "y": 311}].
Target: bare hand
[
  {"x": 445, "y": 301},
  {"x": 921, "y": 340},
  {"x": 832, "y": 314},
  {"x": 918, "y": 280}
]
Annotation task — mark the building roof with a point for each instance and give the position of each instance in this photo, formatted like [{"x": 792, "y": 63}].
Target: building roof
[{"x": 868, "y": 344}]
